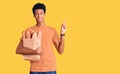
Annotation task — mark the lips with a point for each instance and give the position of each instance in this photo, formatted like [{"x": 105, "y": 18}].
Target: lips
[{"x": 39, "y": 19}]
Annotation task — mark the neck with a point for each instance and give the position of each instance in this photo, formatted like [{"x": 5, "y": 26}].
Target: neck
[{"x": 40, "y": 24}]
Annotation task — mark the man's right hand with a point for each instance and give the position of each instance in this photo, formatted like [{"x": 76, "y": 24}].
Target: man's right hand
[{"x": 32, "y": 41}]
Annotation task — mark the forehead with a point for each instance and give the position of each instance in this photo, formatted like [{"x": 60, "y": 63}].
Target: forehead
[{"x": 39, "y": 10}]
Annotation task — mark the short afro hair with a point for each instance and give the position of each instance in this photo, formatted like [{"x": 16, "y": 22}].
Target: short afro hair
[{"x": 39, "y": 6}]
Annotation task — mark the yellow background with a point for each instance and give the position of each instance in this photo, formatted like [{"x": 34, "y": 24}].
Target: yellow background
[{"x": 92, "y": 43}]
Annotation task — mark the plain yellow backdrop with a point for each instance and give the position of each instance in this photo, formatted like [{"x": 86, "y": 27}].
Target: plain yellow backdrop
[{"x": 92, "y": 43}]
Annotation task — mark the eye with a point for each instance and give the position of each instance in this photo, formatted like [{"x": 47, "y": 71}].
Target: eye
[
  {"x": 41, "y": 13},
  {"x": 36, "y": 14}
]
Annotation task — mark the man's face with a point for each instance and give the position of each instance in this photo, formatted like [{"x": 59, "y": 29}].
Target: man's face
[{"x": 39, "y": 15}]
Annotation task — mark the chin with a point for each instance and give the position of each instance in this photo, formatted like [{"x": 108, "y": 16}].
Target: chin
[{"x": 40, "y": 21}]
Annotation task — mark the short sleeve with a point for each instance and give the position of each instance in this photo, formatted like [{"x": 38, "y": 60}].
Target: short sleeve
[{"x": 55, "y": 36}]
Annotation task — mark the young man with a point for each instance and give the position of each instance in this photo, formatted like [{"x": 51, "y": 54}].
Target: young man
[{"x": 47, "y": 62}]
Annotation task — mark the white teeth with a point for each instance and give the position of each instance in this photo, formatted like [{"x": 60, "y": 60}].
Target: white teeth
[{"x": 40, "y": 18}]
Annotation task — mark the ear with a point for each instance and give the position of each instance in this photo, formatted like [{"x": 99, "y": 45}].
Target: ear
[{"x": 34, "y": 15}]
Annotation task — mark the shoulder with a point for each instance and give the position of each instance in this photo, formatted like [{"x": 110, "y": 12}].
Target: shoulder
[
  {"x": 51, "y": 29},
  {"x": 29, "y": 28}
]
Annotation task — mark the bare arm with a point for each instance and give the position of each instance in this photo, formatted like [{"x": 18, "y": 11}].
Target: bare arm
[
  {"x": 59, "y": 43},
  {"x": 25, "y": 51}
]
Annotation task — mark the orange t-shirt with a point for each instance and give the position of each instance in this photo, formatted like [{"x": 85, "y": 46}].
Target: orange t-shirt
[{"x": 47, "y": 60}]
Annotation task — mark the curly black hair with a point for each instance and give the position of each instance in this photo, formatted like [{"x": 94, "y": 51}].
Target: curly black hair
[{"x": 39, "y": 6}]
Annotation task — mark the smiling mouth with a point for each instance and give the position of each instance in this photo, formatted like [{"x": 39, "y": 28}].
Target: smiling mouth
[{"x": 39, "y": 18}]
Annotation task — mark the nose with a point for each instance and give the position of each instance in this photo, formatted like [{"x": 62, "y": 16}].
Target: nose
[{"x": 39, "y": 15}]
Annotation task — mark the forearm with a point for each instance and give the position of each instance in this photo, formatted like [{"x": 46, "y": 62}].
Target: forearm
[
  {"x": 25, "y": 51},
  {"x": 61, "y": 44}
]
